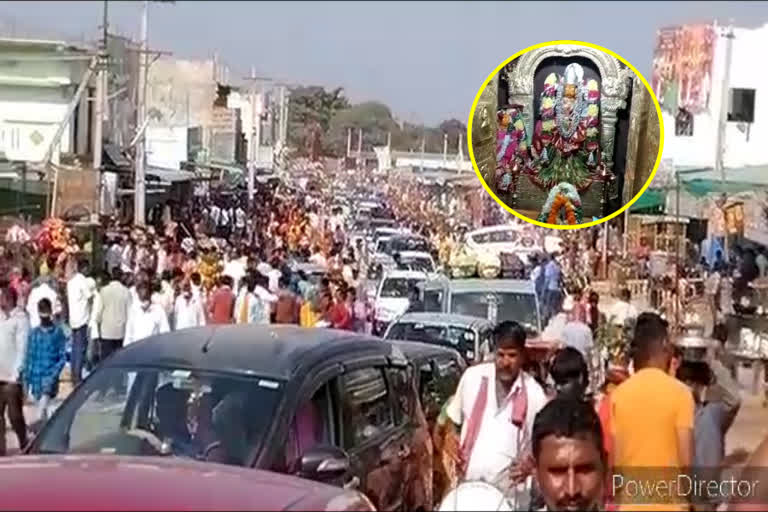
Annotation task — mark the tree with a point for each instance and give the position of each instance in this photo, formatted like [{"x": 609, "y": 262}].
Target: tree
[
  {"x": 374, "y": 118},
  {"x": 314, "y": 109},
  {"x": 310, "y": 107}
]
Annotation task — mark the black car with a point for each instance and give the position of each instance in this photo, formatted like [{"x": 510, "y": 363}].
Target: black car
[
  {"x": 328, "y": 405},
  {"x": 439, "y": 370}
]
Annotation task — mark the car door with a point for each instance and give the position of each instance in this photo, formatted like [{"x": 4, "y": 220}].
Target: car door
[
  {"x": 374, "y": 438},
  {"x": 439, "y": 378}
]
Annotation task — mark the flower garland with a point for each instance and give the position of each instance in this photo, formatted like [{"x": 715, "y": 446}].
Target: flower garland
[
  {"x": 592, "y": 120},
  {"x": 563, "y": 196},
  {"x": 547, "y": 114},
  {"x": 511, "y": 147},
  {"x": 54, "y": 235}
]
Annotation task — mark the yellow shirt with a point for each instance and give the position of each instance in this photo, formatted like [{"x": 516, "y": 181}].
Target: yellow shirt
[
  {"x": 307, "y": 317},
  {"x": 647, "y": 411}
]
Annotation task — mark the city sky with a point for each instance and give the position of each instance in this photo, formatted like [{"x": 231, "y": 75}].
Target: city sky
[{"x": 426, "y": 60}]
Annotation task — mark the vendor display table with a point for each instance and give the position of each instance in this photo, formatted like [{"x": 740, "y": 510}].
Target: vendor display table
[
  {"x": 757, "y": 323},
  {"x": 757, "y": 364}
]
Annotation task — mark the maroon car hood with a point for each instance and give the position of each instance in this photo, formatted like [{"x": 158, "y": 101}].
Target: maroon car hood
[{"x": 69, "y": 482}]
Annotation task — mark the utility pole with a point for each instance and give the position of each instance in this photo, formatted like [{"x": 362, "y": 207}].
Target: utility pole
[
  {"x": 360, "y": 147},
  {"x": 257, "y": 132},
  {"x": 252, "y": 145},
  {"x": 349, "y": 142},
  {"x": 723, "y": 121},
  {"x": 100, "y": 105},
  {"x": 677, "y": 298},
  {"x": 283, "y": 115},
  {"x": 724, "y": 101},
  {"x": 445, "y": 148},
  {"x": 140, "y": 185},
  {"x": 423, "y": 150}
]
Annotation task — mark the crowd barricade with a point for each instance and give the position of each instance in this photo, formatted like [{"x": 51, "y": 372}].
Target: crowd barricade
[{"x": 640, "y": 290}]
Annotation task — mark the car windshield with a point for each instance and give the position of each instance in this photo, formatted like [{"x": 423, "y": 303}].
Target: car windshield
[
  {"x": 382, "y": 245},
  {"x": 457, "y": 337},
  {"x": 398, "y": 287},
  {"x": 409, "y": 244},
  {"x": 433, "y": 300},
  {"x": 164, "y": 411},
  {"x": 417, "y": 264},
  {"x": 520, "y": 307}
]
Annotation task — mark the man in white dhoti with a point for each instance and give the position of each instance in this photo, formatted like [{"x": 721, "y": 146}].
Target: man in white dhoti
[{"x": 495, "y": 404}]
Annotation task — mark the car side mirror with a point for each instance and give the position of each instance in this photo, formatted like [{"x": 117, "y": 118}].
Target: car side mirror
[{"x": 324, "y": 464}]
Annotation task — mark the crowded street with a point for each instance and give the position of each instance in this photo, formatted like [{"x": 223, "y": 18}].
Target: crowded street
[
  {"x": 332, "y": 255},
  {"x": 539, "y": 285}
]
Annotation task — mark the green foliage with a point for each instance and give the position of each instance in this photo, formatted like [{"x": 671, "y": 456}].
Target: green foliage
[
  {"x": 312, "y": 108},
  {"x": 329, "y": 112},
  {"x": 615, "y": 339},
  {"x": 572, "y": 170}
]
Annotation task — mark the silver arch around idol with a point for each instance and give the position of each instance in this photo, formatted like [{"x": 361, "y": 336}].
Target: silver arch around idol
[{"x": 615, "y": 79}]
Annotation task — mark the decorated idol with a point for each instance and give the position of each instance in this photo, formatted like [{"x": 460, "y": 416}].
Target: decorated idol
[{"x": 565, "y": 151}]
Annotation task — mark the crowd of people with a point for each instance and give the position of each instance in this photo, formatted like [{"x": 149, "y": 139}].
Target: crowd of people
[
  {"x": 210, "y": 262},
  {"x": 204, "y": 264},
  {"x": 666, "y": 418}
]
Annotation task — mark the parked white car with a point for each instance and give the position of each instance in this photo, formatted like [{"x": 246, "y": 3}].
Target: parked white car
[
  {"x": 392, "y": 296},
  {"x": 418, "y": 261}
]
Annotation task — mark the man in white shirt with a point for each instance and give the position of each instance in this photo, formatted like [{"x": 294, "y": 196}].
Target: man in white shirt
[
  {"x": 44, "y": 290},
  {"x": 235, "y": 268},
  {"x": 127, "y": 256},
  {"x": 14, "y": 329},
  {"x": 214, "y": 217},
  {"x": 165, "y": 296},
  {"x": 115, "y": 301},
  {"x": 495, "y": 404},
  {"x": 114, "y": 256},
  {"x": 79, "y": 293},
  {"x": 240, "y": 221},
  {"x": 317, "y": 258},
  {"x": 188, "y": 311},
  {"x": 268, "y": 299},
  {"x": 622, "y": 309},
  {"x": 145, "y": 319},
  {"x": 162, "y": 258},
  {"x": 576, "y": 333}
]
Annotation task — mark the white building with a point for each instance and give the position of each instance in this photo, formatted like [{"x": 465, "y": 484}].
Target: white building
[
  {"x": 747, "y": 128},
  {"x": 38, "y": 80}
]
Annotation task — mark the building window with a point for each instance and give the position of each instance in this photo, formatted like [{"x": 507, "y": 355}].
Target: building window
[
  {"x": 683, "y": 123},
  {"x": 741, "y": 105}
]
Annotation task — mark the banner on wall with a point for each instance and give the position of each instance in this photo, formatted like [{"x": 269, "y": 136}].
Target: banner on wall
[
  {"x": 755, "y": 225},
  {"x": 682, "y": 67},
  {"x": 734, "y": 219}
]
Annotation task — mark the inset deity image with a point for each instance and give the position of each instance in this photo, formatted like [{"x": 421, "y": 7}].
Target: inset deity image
[{"x": 577, "y": 134}]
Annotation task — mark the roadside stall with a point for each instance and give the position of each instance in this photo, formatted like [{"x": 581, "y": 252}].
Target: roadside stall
[{"x": 748, "y": 333}]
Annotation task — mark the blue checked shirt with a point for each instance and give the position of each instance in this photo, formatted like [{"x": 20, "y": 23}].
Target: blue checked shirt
[{"x": 45, "y": 358}]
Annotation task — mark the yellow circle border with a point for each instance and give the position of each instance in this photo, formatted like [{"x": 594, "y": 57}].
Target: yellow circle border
[{"x": 558, "y": 226}]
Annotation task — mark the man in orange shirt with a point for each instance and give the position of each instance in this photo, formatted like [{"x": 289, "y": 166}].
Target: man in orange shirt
[{"x": 652, "y": 425}]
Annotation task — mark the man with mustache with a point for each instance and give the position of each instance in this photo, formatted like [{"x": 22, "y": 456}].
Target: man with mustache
[
  {"x": 495, "y": 404},
  {"x": 571, "y": 466}
]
